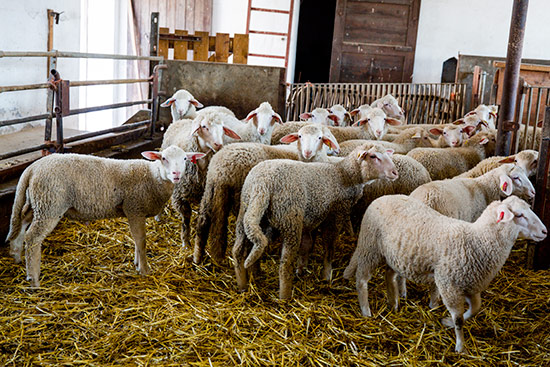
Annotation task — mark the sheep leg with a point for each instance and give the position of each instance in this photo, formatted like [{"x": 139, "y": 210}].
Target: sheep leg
[
  {"x": 239, "y": 256},
  {"x": 201, "y": 237},
  {"x": 392, "y": 288},
  {"x": 218, "y": 228},
  {"x": 37, "y": 232},
  {"x": 306, "y": 246},
  {"x": 402, "y": 285},
  {"x": 185, "y": 222},
  {"x": 329, "y": 233},
  {"x": 455, "y": 304},
  {"x": 362, "y": 277},
  {"x": 289, "y": 254},
  {"x": 435, "y": 298},
  {"x": 474, "y": 303},
  {"x": 137, "y": 228},
  {"x": 16, "y": 245}
]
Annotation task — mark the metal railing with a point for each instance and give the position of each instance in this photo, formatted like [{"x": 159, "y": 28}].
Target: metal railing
[
  {"x": 532, "y": 102},
  {"x": 58, "y": 89},
  {"x": 423, "y": 103}
]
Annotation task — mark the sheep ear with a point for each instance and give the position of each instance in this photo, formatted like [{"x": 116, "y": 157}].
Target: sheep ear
[
  {"x": 192, "y": 156},
  {"x": 361, "y": 122},
  {"x": 504, "y": 214},
  {"x": 436, "y": 131},
  {"x": 152, "y": 155},
  {"x": 251, "y": 115},
  {"x": 484, "y": 141},
  {"x": 470, "y": 113},
  {"x": 354, "y": 112},
  {"x": 458, "y": 122},
  {"x": 389, "y": 152},
  {"x": 306, "y": 116},
  {"x": 195, "y": 126},
  {"x": 392, "y": 122},
  {"x": 227, "y": 131},
  {"x": 277, "y": 118},
  {"x": 468, "y": 129},
  {"x": 416, "y": 136},
  {"x": 506, "y": 185},
  {"x": 333, "y": 118},
  {"x": 331, "y": 144},
  {"x": 510, "y": 159},
  {"x": 168, "y": 102},
  {"x": 196, "y": 103},
  {"x": 290, "y": 138}
]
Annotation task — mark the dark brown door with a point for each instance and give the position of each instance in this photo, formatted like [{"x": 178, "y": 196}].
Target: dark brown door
[{"x": 374, "y": 41}]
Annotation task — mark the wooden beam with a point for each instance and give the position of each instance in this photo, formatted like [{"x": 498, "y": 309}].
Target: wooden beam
[
  {"x": 163, "y": 44},
  {"x": 200, "y": 49},
  {"x": 240, "y": 48},
  {"x": 180, "y": 47},
  {"x": 222, "y": 47}
]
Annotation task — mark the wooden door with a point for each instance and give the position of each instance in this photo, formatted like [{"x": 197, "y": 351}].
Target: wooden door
[{"x": 374, "y": 41}]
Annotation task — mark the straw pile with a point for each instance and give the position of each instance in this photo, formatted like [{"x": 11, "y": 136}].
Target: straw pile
[{"x": 94, "y": 309}]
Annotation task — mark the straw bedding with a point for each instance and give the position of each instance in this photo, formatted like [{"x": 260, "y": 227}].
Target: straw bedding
[{"x": 94, "y": 309}]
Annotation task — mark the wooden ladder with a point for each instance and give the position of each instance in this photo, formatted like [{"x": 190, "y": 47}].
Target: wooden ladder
[{"x": 266, "y": 32}]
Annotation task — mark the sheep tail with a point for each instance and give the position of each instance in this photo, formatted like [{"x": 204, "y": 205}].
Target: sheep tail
[
  {"x": 18, "y": 205},
  {"x": 251, "y": 223}
]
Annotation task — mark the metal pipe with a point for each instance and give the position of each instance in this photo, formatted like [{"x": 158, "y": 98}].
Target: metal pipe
[
  {"x": 107, "y": 107},
  {"x": 77, "y": 55},
  {"x": 11, "y": 88},
  {"x": 23, "y": 151},
  {"x": 511, "y": 77},
  {"x": 25, "y": 119},
  {"x": 106, "y": 131}
]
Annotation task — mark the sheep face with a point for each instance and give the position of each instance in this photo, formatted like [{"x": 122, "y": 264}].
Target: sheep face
[
  {"x": 422, "y": 138},
  {"x": 515, "y": 210},
  {"x": 452, "y": 135},
  {"x": 391, "y": 107},
  {"x": 173, "y": 161},
  {"x": 264, "y": 118},
  {"x": 361, "y": 112},
  {"x": 181, "y": 103},
  {"x": 310, "y": 140},
  {"x": 514, "y": 180},
  {"x": 378, "y": 122},
  {"x": 210, "y": 129},
  {"x": 341, "y": 114},
  {"x": 379, "y": 159},
  {"x": 320, "y": 116},
  {"x": 526, "y": 159}
]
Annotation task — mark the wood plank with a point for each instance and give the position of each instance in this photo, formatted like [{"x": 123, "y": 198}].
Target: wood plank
[
  {"x": 240, "y": 48},
  {"x": 530, "y": 67},
  {"x": 336, "y": 57},
  {"x": 222, "y": 47},
  {"x": 203, "y": 15},
  {"x": 200, "y": 49},
  {"x": 163, "y": 44},
  {"x": 180, "y": 47},
  {"x": 190, "y": 16}
]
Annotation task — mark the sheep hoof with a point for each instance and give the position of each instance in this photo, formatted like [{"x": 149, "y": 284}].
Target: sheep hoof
[
  {"x": 144, "y": 271},
  {"x": 448, "y": 322}
]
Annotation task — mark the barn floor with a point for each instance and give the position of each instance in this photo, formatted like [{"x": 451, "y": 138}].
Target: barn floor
[{"x": 94, "y": 309}]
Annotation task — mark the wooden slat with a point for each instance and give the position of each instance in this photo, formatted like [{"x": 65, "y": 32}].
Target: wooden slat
[
  {"x": 190, "y": 15},
  {"x": 240, "y": 48},
  {"x": 163, "y": 44},
  {"x": 180, "y": 47},
  {"x": 222, "y": 47},
  {"x": 200, "y": 49},
  {"x": 530, "y": 67}
]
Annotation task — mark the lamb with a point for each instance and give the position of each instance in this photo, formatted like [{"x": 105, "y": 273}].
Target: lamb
[
  {"x": 182, "y": 105},
  {"x": 203, "y": 134},
  {"x": 451, "y": 135},
  {"x": 391, "y": 107},
  {"x": 460, "y": 258},
  {"x": 343, "y": 116},
  {"x": 218, "y": 109},
  {"x": 296, "y": 198},
  {"x": 526, "y": 159},
  {"x": 320, "y": 116},
  {"x": 487, "y": 114},
  {"x": 227, "y": 173},
  {"x": 402, "y": 144},
  {"x": 450, "y": 162},
  {"x": 378, "y": 122},
  {"x": 263, "y": 119},
  {"x": 84, "y": 188},
  {"x": 361, "y": 112}
]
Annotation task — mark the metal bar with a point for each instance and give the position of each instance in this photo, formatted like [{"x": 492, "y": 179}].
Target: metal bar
[
  {"x": 271, "y": 10},
  {"x": 269, "y": 33},
  {"x": 290, "y": 14},
  {"x": 24, "y": 151},
  {"x": 537, "y": 112},
  {"x": 179, "y": 37},
  {"x": 106, "y": 131},
  {"x": 56, "y": 79},
  {"x": 271, "y": 56},
  {"x": 25, "y": 119},
  {"x": 76, "y": 55},
  {"x": 11, "y": 88},
  {"x": 511, "y": 76},
  {"x": 107, "y": 107}
]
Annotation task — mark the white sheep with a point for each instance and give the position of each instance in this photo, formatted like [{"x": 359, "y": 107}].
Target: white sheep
[
  {"x": 344, "y": 117},
  {"x": 320, "y": 116},
  {"x": 409, "y": 139},
  {"x": 391, "y": 107},
  {"x": 377, "y": 121},
  {"x": 228, "y": 170},
  {"x": 361, "y": 112},
  {"x": 487, "y": 114},
  {"x": 296, "y": 198},
  {"x": 220, "y": 109},
  {"x": 182, "y": 105},
  {"x": 263, "y": 118},
  {"x": 451, "y": 135},
  {"x": 460, "y": 258},
  {"x": 526, "y": 159},
  {"x": 85, "y": 188}
]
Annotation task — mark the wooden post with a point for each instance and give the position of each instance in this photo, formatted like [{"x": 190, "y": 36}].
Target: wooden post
[
  {"x": 51, "y": 19},
  {"x": 222, "y": 47},
  {"x": 180, "y": 47},
  {"x": 163, "y": 44},
  {"x": 200, "y": 49},
  {"x": 240, "y": 48},
  {"x": 154, "y": 36}
]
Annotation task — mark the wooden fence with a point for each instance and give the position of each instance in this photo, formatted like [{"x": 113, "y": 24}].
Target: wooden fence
[
  {"x": 201, "y": 43},
  {"x": 423, "y": 103}
]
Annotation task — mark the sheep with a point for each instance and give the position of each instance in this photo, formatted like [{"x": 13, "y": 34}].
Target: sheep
[
  {"x": 217, "y": 109},
  {"x": 391, "y": 107},
  {"x": 202, "y": 134},
  {"x": 450, "y": 162},
  {"x": 320, "y": 116},
  {"x": 526, "y": 159},
  {"x": 227, "y": 173},
  {"x": 263, "y": 119},
  {"x": 361, "y": 112},
  {"x": 296, "y": 198},
  {"x": 487, "y": 114},
  {"x": 373, "y": 126},
  {"x": 344, "y": 117},
  {"x": 450, "y": 135},
  {"x": 460, "y": 258},
  {"x": 85, "y": 188},
  {"x": 465, "y": 198},
  {"x": 182, "y": 105},
  {"x": 406, "y": 141},
  {"x": 533, "y": 138}
]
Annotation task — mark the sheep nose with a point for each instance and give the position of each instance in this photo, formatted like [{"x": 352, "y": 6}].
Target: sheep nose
[
  {"x": 378, "y": 132},
  {"x": 307, "y": 153},
  {"x": 544, "y": 232},
  {"x": 261, "y": 131},
  {"x": 217, "y": 146}
]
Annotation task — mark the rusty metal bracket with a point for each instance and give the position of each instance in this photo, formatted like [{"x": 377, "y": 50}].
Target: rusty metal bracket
[
  {"x": 510, "y": 126},
  {"x": 155, "y": 80}
]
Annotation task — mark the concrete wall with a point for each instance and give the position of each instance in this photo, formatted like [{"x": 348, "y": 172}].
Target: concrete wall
[
  {"x": 24, "y": 27},
  {"x": 472, "y": 27}
]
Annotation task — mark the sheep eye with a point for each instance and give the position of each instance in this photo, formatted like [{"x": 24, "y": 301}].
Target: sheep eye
[
  {"x": 320, "y": 137},
  {"x": 185, "y": 158},
  {"x": 516, "y": 178},
  {"x": 444, "y": 133},
  {"x": 519, "y": 215},
  {"x": 299, "y": 136},
  {"x": 373, "y": 156},
  {"x": 515, "y": 161},
  {"x": 164, "y": 159}
]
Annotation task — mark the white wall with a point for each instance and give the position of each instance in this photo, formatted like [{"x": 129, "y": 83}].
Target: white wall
[
  {"x": 24, "y": 27},
  {"x": 472, "y": 27},
  {"x": 229, "y": 16}
]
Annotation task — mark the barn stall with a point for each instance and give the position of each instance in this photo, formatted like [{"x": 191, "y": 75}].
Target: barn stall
[{"x": 94, "y": 308}]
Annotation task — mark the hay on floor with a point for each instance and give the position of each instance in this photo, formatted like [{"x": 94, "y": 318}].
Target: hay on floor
[{"x": 94, "y": 309}]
